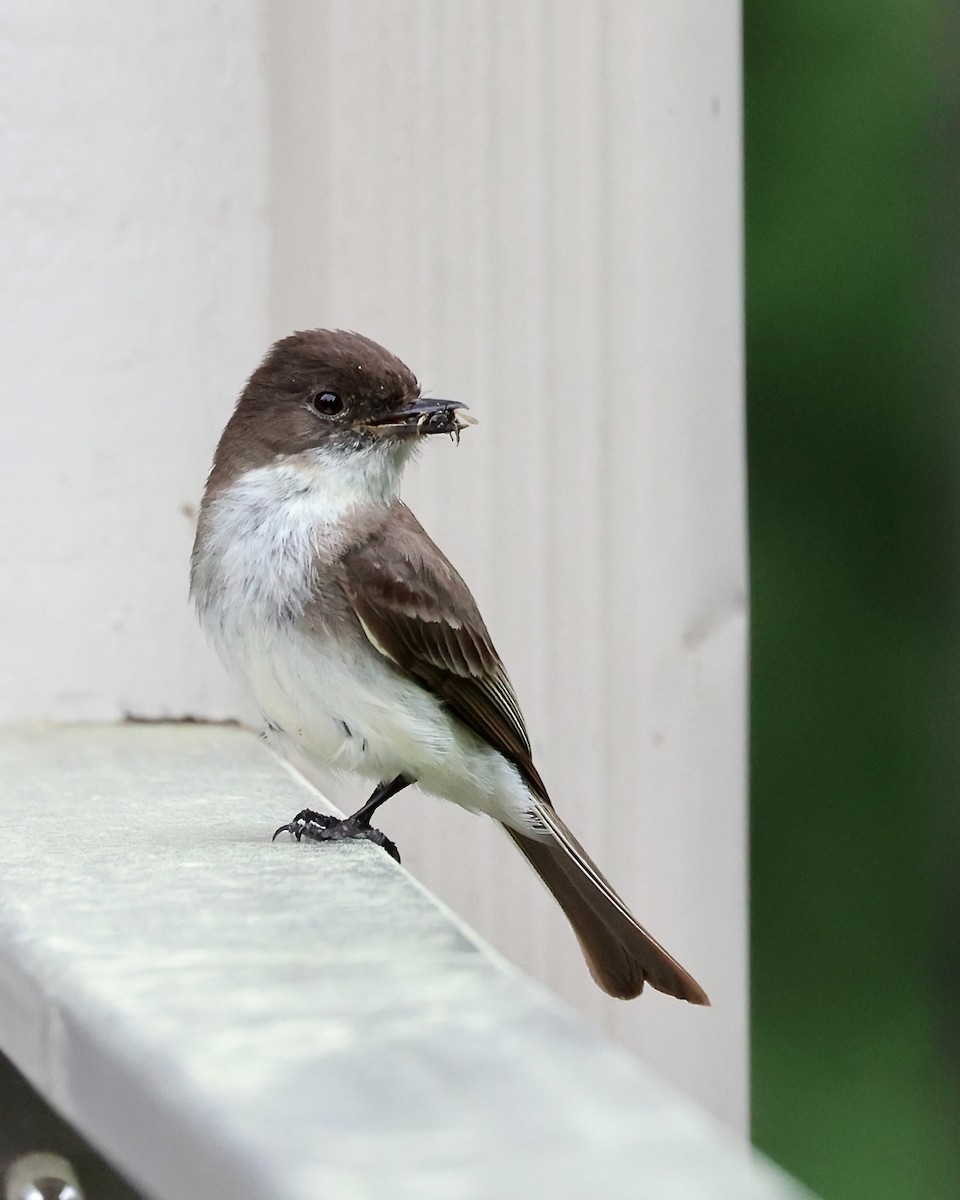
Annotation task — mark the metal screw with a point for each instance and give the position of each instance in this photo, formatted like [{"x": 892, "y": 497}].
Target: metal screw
[{"x": 41, "y": 1176}]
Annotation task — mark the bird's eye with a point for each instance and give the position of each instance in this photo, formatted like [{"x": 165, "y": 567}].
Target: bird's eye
[{"x": 328, "y": 404}]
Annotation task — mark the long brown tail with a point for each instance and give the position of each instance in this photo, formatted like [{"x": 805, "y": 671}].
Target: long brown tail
[{"x": 620, "y": 953}]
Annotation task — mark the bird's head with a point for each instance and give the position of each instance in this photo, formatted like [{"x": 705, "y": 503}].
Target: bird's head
[{"x": 337, "y": 393}]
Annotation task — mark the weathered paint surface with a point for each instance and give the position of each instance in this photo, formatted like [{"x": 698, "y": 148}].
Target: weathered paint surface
[{"x": 228, "y": 1016}]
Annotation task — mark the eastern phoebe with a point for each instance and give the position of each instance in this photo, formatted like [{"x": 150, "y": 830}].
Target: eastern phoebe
[{"x": 358, "y": 640}]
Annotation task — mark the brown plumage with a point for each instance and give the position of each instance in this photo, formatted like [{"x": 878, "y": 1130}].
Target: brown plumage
[
  {"x": 323, "y": 428},
  {"x": 418, "y": 611}
]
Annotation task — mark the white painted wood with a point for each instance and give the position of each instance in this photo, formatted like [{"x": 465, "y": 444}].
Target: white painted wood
[
  {"x": 537, "y": 205},
  {"x": 133, "y": 255},
  {"x": 229, "y": 1017}
]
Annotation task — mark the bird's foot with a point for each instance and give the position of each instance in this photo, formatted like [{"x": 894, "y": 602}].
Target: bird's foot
[
  {"x": 322, "y": 827},
  {"x": 304, "y": 818}
]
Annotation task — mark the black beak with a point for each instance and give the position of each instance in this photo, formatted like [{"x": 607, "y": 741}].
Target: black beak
[{"x": 426, "y": 416}]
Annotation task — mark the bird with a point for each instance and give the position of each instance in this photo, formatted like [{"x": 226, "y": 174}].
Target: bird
[{"x": 359, "y": 642}]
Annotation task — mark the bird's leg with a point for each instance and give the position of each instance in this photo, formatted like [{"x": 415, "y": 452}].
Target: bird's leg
[
  {"x": 381, "y": 793},
  {"x": 322, "y": 827}
]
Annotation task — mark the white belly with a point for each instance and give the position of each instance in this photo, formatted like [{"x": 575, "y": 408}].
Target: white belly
[
  {"x": 346, "y": 708},
  {"x": 341, "y": 707},
  {"x": 339, "y": 701}
]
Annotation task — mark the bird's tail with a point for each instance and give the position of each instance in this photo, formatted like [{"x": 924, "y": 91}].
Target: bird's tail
[{"x": 620, "y": 953}]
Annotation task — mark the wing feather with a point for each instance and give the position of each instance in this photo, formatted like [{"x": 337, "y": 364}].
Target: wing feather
[{"x": 416, "y": 610}]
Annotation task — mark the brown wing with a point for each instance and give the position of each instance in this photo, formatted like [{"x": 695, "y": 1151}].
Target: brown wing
[{"x": 418, "y": 612}]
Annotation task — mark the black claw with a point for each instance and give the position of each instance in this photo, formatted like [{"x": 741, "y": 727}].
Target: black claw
[
  {"x": 305, "y": 817},
  {"x": 322, "y": 827}
]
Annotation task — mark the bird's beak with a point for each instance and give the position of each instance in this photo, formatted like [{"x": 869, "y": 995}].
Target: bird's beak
[{"x": 422, "y": 418}]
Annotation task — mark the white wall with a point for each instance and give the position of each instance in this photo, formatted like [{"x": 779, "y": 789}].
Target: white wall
[
  {"x": 538, "y": 207},
  {"x": 133, "y": 260}
]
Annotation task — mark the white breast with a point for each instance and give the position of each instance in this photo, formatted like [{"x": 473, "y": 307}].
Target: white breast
[
  {"x": 337, "y": 699},
  {"x": 260, "y": 537}
]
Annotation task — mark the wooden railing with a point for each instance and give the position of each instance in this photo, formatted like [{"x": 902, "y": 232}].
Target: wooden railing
[{"x": 219, "y": 1015}]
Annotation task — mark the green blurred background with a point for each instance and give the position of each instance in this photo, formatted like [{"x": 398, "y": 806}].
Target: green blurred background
[{"x": 853, "y": 312}]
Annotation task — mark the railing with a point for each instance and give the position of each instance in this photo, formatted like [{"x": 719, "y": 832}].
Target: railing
[{"x": 223, "y": 1016}]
